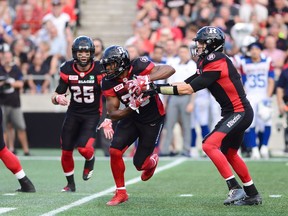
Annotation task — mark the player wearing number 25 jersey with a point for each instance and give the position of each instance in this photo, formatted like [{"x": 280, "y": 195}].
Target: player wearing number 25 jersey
[
  {"x": 82, "y": 77},
  {"x": 141, "y": 118}
]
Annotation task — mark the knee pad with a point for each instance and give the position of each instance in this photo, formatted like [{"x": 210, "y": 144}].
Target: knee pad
[
  {"x": 87, "y": 152},
  {"x": 115, "y": 152}
]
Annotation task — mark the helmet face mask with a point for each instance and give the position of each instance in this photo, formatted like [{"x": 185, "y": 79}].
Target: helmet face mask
[
  {"x": 208, "y": 39},
  {"x": 115, "y": 61},
  {"x": 83, "y": 50}
]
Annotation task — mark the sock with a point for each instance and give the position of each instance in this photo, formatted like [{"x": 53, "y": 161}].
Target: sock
[
  {"x": 67, "y": 162},
  {"x": 250, "y": 190},
  {"x": 232, "y": 183},
  {"x": 250, "y": 140},
  {"x": 193, "y": 137},
  {"x": 266, "y": 135},
  {"x": 205, "y": 130},
  {"x": 70, "y": 180},
  {"x": 238, "y": 165},
  {"x": 10, "y": 160},
  {"x": 117, "y": 166}
]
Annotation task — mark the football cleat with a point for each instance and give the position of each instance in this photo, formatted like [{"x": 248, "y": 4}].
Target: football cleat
[
  {"x": 26, "y": 185},
  {"x": 234, "y": 195},
  {"x": 119, "y": 197},
  {"x": 69, "y": 188},
  {"x": 147, "y": 174},
  {"x": 88, "y": 169},
  {"x": 249, "y": 200}
]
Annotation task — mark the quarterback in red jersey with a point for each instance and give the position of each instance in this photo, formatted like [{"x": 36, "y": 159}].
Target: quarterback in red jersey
[
  {"x": 142, "y": 118},
  {"x": 82, "y": 76},
  {"x": 216, "y": 72}
]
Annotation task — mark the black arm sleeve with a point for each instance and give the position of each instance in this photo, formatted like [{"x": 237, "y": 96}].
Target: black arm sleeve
[
  {"x": 189, "y": 79},
  {"x": 62, "y": 87},
  {"x": 204, "y": 80}
]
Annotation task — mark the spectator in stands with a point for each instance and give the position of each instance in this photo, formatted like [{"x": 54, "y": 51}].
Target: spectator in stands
[
  {"x": 61, "y": 21},
  {"x": 20, "y": 55},
  {"x": 28, "y": 17},
  {"x": 99, "y": 48},
  {"x": 278, "y": 56},
  {"x": 279, "y": 32},
  {"x": 10, "y": 99},
  {"x": 251, "y": 10},
  {"x": 51, "y": 60},
  {"x": 190, "y": 33},
  {"x": 38, "y": 74},
  {"x": 143, "y": 4},
  {"x": 280, "y": 8},
  {"x": 179, "y": 108},
  {"x": 167, "y": 31},
  {"x": 141, "y": 39},
  {"x": 133, "y": 52},
  {"x": 101, "y": 140},
  {"x": 170, "y": 48},
  {"x": 6, "y": 33},
  {"x": 58, "y": 44},
  {"x": 202, "y": 13}
]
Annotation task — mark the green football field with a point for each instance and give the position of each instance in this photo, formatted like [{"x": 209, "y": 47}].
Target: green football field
[{"x": 180, "y": 186}]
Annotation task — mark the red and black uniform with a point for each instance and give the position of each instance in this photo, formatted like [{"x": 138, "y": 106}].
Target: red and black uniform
[
  {"x": 217, "y": 73},
  {"x": 85, "y": 107},
  {"x": 145, "y": 125}
]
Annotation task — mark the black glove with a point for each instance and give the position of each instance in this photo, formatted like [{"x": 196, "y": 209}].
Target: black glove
[{"x": 153, "y": 90}]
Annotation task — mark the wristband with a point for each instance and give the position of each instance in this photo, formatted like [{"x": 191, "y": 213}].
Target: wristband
[{"x": 168, "y": 90}]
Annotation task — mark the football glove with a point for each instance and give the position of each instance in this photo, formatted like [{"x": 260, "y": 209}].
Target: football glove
[
  {"x": 138, "y": 84},
  {"x": 107, "y": 128},
  {"x": 136, "y": 101},
  {"x": 61, "y": 99}
]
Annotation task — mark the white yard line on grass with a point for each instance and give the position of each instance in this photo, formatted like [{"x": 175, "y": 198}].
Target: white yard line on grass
[{"x": 111, "y": 189}]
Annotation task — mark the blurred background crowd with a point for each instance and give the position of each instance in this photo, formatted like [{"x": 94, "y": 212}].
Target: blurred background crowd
[{"x": 39, "y": 34}]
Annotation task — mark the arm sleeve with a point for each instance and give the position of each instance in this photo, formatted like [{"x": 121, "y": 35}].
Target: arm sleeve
[
  {"x": 62, "y": 87},
  {"x": 189, "y": 79},
  {"x": 204, "y": 80}
]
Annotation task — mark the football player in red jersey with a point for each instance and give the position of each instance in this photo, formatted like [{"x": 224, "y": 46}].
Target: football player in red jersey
[
  {"x": 82, "y": 77},
  {"x": 216, "y": 72},
  {"x": 142, "y": 118},
  {"x": 13, "y": 164}
]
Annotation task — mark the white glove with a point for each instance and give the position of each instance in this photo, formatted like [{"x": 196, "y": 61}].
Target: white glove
[
  {"x": 107, "y": 128},
  {"x": 62, "y": 100}
]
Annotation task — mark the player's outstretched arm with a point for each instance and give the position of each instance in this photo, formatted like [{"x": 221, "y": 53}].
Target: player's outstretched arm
[{"x": 180, "y": 88}]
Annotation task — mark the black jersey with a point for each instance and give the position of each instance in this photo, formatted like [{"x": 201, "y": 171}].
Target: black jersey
[
  {"x": 217, "y": 73},
  {"x": 149, "y": 111},
  {"x": 10, "y": 96},
  {"x": 84, "y": 88}
]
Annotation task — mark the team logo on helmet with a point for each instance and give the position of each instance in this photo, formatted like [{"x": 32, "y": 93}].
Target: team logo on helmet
[{"x": 211, "y": 56}]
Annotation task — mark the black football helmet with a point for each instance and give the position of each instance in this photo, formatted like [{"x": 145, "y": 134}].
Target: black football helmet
[
  {"x": 118, "y": 58},
  {"x": 83, "y": 43},
  {"x": 212, "y": 37}
]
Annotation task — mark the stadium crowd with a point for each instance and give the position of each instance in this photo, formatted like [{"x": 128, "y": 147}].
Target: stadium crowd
[{"x": 39, "y": 34}]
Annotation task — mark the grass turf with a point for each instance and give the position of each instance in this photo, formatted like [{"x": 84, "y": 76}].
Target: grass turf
[{"x": 190, "y": 188}]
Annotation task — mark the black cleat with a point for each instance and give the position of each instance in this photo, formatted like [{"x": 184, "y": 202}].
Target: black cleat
[
  {"x": 69, "y": 188},
  {"x": 249, "y": 200},
  {"x": 234, "y": 195},
  {"x": 26, "y": 185},
  {"x": 88, "y": 169}
]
